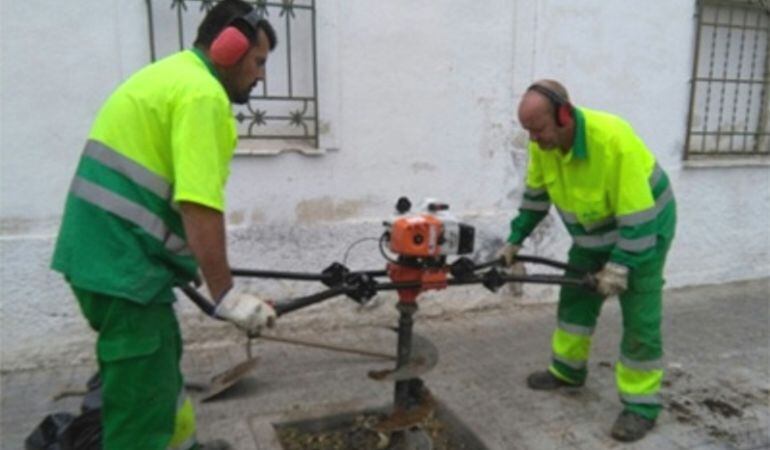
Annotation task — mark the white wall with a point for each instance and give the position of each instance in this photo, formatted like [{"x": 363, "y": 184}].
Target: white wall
[{"x": 419, "y": 100}]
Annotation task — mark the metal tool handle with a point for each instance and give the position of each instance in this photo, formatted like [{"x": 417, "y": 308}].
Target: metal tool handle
[
  {"x": 202, "y": 302},
  {"x": 281, "y": 307},
  {"x": 300, "y": 276}
]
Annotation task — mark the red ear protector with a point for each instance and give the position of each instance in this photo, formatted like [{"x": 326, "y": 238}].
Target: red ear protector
[
  {"x": 562, "y": 108},
  {"x": 231, "y": 44}
]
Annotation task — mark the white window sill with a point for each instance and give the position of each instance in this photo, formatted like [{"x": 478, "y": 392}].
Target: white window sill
[
  {"x": 254, "y": 147},
  {"x": 708, "y": 162}
]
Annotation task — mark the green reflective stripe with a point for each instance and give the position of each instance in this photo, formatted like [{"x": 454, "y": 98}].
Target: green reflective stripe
[
  {"x": 530, "y": 192},
  {"x": 132, "y": 170},
  {"x": 576, "y": 329},
  {"x": 130, "y": 211},
  {"x": 597, "y": 241},
  {"x": 642, "y": 366},
  {"x": 570, "y": 348},
  {"x": 638, "y": 244},
  {"x": 639, "y": 385},
  {"x": 571, "y": 363},
  {"x": 535, "y": 205},
  {"x": 641, "y": 399}
]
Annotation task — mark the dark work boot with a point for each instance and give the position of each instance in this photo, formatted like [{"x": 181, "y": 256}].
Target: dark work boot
[
  {"x": 631, "y": 427},
  {"x": 546, "y": 381},
  {"x": 216, "y": 444}
]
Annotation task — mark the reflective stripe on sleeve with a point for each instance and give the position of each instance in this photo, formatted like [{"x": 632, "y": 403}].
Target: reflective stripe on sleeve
[
  {"x": 534, "y": 205},
  {"x": 534, "y": 192}
]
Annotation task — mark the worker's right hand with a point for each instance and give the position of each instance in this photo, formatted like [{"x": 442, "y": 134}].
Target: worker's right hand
[
  {"x": 508, "y": 253},
  {"x": 246, "y": 311}
]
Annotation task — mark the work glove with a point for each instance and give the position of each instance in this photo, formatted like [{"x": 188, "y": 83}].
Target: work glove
[
  {"x": 612, "y": 279},
  {"x": 508, "y": 253},
  {"x": 246, "y": 311}
]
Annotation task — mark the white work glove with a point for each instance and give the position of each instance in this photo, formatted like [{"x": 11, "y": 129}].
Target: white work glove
[
  {"x": 508, "y": 252},
  {"x": 612, "y": 279},
  {"x": 247, "y": 311}
]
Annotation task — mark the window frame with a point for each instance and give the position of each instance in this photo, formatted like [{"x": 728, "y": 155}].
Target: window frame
[
  {"x": 303, "y": 114},
  {"x": 760, "y": 135}
]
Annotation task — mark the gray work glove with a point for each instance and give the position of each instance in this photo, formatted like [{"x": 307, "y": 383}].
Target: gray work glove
[
  {"x": 246, "y": 311},
  {"x": 612, "y": 279},
  {"x": 508, "y": 253}
]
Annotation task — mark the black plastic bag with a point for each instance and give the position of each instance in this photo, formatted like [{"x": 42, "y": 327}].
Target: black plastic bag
[
  {"x": 65, "y": 431},
  {"x": 84, "y": 433},
  {"x": 46, "y": 435}
]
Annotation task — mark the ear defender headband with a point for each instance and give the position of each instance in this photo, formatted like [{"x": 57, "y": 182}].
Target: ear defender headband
[
  {"x": 231, "y": 44},
  {"x": 562, "y": 108}
]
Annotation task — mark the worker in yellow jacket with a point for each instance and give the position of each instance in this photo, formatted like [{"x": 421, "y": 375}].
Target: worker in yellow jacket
[
  {"x": 618, "y": 206},
  {"x": 145, "y": 213}
]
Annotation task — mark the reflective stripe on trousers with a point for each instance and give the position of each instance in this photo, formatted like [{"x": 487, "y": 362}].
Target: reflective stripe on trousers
[
  {"x": 639, "y": 385},
  {"x": 184, "y": 425}
]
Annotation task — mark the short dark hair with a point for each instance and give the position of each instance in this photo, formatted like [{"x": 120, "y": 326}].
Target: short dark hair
[{"x": 226, "y": 13}]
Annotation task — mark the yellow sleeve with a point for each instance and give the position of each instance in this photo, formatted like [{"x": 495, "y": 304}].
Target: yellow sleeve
[{"x": 203, "y": 139}]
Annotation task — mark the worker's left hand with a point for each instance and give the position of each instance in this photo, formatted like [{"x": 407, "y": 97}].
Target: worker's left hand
[{"x": 612, "y": 279}]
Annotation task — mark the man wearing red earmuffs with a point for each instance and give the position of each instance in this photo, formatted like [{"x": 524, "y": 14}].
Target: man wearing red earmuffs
[
  {"x": 618, "y": 206},
  {"x": 144, "y": 214}
]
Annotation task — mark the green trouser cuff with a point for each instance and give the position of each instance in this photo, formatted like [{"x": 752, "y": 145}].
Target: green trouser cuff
[{"x": 645, "y": 410}]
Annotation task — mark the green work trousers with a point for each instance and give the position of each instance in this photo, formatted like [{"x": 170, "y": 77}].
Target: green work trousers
[
  {"x": 639, "y": 370},
  {"x": 138, "y": 349}
]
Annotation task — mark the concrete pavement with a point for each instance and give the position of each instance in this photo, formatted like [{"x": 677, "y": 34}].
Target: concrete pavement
[{"x": 716, "y": 389}]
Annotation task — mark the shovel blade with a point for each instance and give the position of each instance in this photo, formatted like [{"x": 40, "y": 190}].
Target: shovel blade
[{"x": 229, "y": 378}]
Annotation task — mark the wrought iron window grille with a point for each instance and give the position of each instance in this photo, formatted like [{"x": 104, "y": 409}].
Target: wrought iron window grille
[
  {"x": 730, "y": 85},
  {"x": 282, "y": 112}
]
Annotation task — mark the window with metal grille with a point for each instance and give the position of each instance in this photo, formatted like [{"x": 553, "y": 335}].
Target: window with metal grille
[
  {"x": 730, "y": 89},
  {"x": 282, "y": 112}
]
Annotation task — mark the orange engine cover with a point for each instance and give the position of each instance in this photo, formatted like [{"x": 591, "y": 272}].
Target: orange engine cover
[{"x": 417, "y": 236}]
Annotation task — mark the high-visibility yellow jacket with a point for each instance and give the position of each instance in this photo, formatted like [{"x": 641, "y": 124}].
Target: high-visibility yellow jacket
[
  {"x": 608, "y": 188},
  {"x": 166, "y": 135}
]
